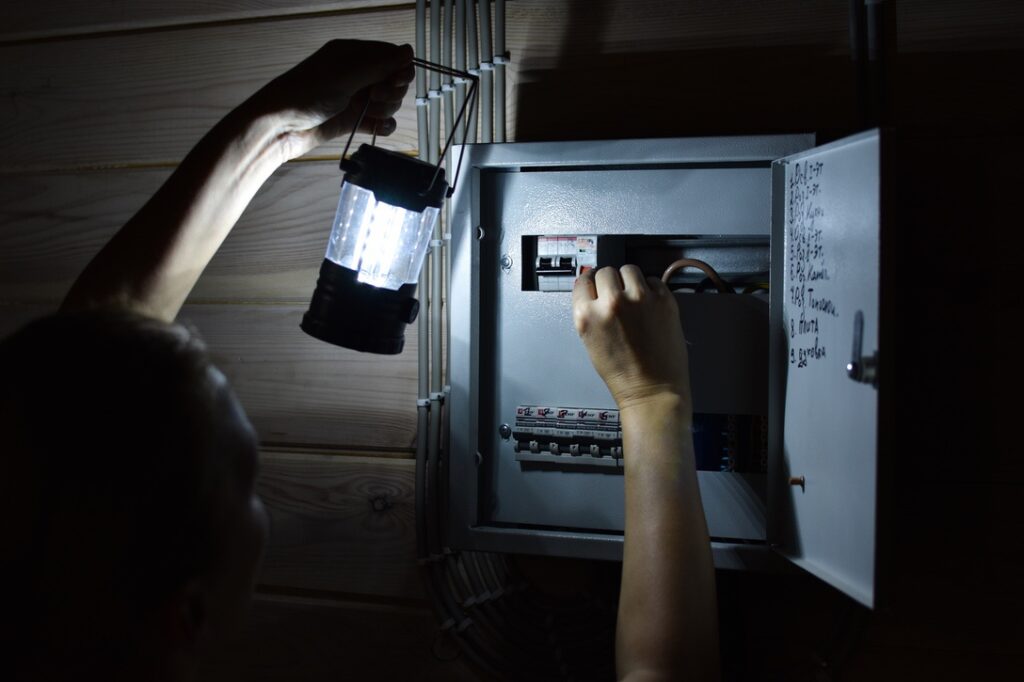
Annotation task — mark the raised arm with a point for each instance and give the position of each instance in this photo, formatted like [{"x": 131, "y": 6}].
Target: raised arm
[
  {"x": 668, "y": 618},
  {"x": 152, "y": 263}
]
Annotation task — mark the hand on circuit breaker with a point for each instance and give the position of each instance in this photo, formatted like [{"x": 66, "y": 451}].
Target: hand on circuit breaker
[
  {"x": 323, "y": 96},
  {"x": 630, "y": 327}
]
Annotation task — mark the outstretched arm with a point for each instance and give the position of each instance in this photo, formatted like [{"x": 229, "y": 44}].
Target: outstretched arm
[
  {"x": 152, "y": 263},
  {"x": 668, "y": 619}
]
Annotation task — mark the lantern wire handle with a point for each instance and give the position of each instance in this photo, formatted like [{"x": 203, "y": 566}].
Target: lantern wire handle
[
  {"x": 359, "y": 120},
  {"x": 470, "y": 98}
]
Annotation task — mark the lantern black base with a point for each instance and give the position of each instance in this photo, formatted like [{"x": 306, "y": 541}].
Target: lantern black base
[{"x": 355, "y": 315}]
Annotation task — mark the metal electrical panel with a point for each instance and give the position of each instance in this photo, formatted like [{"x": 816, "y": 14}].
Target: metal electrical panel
[{"x": 535, "y": 455}]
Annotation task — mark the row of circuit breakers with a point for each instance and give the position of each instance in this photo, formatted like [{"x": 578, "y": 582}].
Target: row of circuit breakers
[
  {"x": 587, "y": 437},
  {"x": 590, "y": 437}
]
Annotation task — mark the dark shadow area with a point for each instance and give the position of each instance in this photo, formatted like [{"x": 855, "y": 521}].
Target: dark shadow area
[{"x": 688, "y": 92}]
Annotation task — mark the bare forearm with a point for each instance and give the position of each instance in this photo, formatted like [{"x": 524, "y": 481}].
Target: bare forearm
[
  {"x": 667, "y": 625},
  {"x": 152, "y": 263}
]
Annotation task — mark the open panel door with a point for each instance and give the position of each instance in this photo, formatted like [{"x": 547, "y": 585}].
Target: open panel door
[{"x": 823, "y": 466}]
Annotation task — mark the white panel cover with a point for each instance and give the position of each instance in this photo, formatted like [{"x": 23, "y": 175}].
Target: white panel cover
[{"x": 828, "y": 218}]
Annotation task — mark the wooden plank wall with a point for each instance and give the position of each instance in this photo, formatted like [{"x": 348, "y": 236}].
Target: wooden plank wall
[{"x": 98, "y": 102}]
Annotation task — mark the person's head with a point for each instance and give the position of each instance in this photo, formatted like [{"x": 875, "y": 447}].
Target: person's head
[{"x": 127, "y": 487}]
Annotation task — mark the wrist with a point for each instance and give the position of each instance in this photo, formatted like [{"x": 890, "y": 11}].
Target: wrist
[
  {"x": 659, "y": 408},
  {"x": 243, "y": 149}
]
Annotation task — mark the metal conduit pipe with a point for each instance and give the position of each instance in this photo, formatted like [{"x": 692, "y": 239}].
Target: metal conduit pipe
[
  {"x": 460, "y": 64},
  {"x": 475, "y": 602},
  {"x": 421, "y": 81},
  {"x": 486, "y": 74},
  {"x": 423, "y": 357},
  {"x": 437, "y": 576},
  {"x": 433, "y": 501},
  {"x": 448, "y": 89},
  {"x": 524, "y": 634},
  {"x": 472, "y": 65},
  {"x": 448, "y": 86},
  {"x": 514, "y": 609},
  {"x": 453, "y": 619},
  {"x": 434, "y": 94},
  {"x": 500, "y": 61},
  {"x": 422, "y": 410},
  {"x": 434, "y": 297}
]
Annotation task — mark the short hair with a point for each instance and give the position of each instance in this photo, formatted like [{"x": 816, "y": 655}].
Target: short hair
[{"x": 110, "y": 472}]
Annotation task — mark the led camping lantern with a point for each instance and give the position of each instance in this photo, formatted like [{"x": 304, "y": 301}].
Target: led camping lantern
[
  {"x": 382, "y": 228},
  {"x": 387, "y": 211}
]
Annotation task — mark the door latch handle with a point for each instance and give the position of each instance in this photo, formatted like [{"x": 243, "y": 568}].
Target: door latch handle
[{"x": 861, "y": 368}]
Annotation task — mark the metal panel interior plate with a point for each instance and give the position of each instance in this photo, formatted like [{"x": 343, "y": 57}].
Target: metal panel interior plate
[
  {"x": 514, "y": 345},
  {"x": 825, "y": 303}
]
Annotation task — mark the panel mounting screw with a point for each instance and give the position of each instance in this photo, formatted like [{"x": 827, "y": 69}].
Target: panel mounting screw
[
  {"x": 797, "y": 481},
  {"x": 505, "y": 431},
  {"x": 506, "y": 262}
]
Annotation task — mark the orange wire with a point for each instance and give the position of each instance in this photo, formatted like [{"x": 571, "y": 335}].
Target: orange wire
[{"x": 678, "y": 265}]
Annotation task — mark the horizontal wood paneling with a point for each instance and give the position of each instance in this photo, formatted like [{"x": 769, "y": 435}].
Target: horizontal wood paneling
[
  {"x": 52, "y": 224},
  {"x": 340, "y": 524},
  {"x": 24, "y": 21},
  {"x": 298, "y": 390},
  {"x": 149, "y": 97},
  {"x": 313, "y": 641},
  {"x": 945, "y": 25},
  {"x": 922, "y": 23}
]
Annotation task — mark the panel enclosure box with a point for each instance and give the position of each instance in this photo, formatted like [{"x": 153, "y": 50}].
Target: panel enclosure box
[{"x": 531, "y": 466}]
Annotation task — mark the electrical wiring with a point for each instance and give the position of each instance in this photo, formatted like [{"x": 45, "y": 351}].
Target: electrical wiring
[
  {"x": 501, "y": 624},
  {"x": 678, "y": 265}
]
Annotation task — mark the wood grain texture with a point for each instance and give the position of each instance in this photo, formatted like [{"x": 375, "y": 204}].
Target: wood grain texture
[
  {"x": 295, "y": 389},
  {"x": 128, "y": 99},
  {"x": 28, "y": 21},
  {"x": 921, "y": 22},
  {"x": 947, "y": 25},
  {"x": 52, "y": 224},
  {"x": 340, "y": 524},
  {"x": 313, "y": 641},
  {"x": 149, "y": 97},
  {"x": 301, "y": 391}
]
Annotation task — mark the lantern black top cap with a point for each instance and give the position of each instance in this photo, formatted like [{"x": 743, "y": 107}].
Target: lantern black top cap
[{"x": 396, "y": 178}]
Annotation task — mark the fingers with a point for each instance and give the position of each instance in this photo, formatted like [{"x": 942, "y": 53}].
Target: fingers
[
  {"x": 370, "y": 62},
  {"x": 403, "y": 76},
  {"x": 583, "y": 294},
  {"x": 633, "y": 282},
  {"x": 656, "y": 286},
  {"x": 584, "y": 289},
  {"x": 609, "y": 282},
  {"x": 389, "y": 92},
  {"x": 382, "y": 127}
]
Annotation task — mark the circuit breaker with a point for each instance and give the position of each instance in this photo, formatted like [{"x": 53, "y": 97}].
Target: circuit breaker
[{"x": 784, "y": 433}]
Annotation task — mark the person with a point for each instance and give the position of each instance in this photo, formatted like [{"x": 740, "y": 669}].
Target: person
[
  {"x": 134, "y": 529},
  {"x": 667, "y": 625}
]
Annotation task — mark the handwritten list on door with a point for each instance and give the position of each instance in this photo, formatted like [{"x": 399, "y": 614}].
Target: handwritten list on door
[{"x": 808, "y": 277}]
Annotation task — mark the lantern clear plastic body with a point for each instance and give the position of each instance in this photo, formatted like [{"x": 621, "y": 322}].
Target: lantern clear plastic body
[{"x": 384, "y": 244}]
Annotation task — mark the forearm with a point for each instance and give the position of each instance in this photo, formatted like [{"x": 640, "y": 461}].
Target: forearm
[
  {"x": 667, "y": 625},
  {"x": 152, "y": 263}
]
